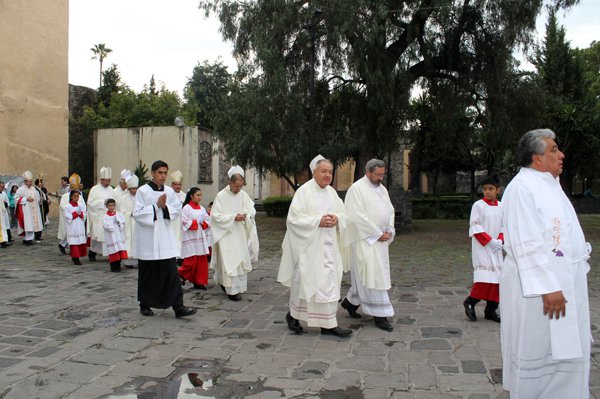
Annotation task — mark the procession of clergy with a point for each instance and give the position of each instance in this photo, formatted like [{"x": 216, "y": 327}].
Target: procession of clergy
[{"x": 542, "y": 280}]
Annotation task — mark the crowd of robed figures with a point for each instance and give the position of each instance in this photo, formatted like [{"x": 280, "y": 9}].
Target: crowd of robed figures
[{"x": 530, "y": 251}]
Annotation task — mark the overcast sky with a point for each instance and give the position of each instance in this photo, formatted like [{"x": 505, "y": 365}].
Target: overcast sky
[{"x": 168, "y": 38}]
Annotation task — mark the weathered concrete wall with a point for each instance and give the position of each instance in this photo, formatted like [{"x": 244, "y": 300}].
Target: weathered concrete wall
[
  {"x": 34, "y": 88},
  {"x": 192, "y": 151}
]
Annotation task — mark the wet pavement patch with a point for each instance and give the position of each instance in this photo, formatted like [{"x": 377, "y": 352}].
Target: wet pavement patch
[
  {"x": 348, "y": 393},
  {"x": 441, "y": 332},
  {"x": 310, "y": 369},
  {"x": 192, "y": 379}
]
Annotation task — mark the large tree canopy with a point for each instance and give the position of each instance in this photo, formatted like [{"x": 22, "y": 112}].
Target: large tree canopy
[{"x": 370, "y": 56}]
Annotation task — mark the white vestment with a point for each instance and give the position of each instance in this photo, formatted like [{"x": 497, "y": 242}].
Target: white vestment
[
  {"x": 153, "y": 236},
  {"x": 4, "y": 215},
  {"x": 75, "y": 227},
  {"x": 194, "y": 242},
  {"x": 235, "y": 244},
  {"x": 114, "y": 233},
  {"x": 312, "y": 263},
  {"x": 176, "y": 224},
  {"x": 487, "y": 265},
  {"x": 370, "y": 213},
  {"x": 118, "y": 192},
  {"x": 3, "y": 226},
  {"x": 125, "y": 206},
  {"x": 32, "y": 216},
  {"x": 62, "y": 223},
  {"x": 546, "y": 252},
  {"x": 96, "y": 210}
]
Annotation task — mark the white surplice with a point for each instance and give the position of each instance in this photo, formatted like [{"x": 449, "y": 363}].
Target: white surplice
[
  {"x": 4, "y": 215},
  {"x": 3, "y": 226},
  {"x": 62, "y": 222},
  {"x": 114, "y": 233},
  {"x": 546, "y": 252},
  {"x": 125, "y": 205},
  {"x": 234, "y": 244},
  {"x": 194, "y": 242},
  {"x": 154, "y": 238},
  {"x": 312, "y": 263},
  {"x": 176, "y": 224},
  {"x": 75, "y": 227},
  {"x": 96, "y": 209},
  {"x": 32, "y": 216},
  {"x": 118, "y": 192},
  {"x": 487, "y": 264},
  {"x": 370, "y": 213}
]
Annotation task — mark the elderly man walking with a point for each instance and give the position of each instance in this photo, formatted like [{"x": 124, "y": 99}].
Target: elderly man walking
[
  {"x": 29, "y": 215},
  {"x": 311, "y": 263},
  {"x": 545, "y": 327},
  {"x": 96, "y": 207},
  {"x": 369, "y": 234},
  {"x": 235, "y": 239}
]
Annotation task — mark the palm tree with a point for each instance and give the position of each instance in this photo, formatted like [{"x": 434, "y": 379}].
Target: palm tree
[{"x": 100, "y": 52}]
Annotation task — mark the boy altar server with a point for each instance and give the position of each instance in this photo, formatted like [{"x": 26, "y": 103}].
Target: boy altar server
[
  {"x": 156, "y": 205},
  {"x": 114, "y": 235}
]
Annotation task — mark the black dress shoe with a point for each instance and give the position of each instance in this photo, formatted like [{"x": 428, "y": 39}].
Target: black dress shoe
[
  {"x": 293, "y": 324},
  {"x": 92, "y": 258},
  {"x": 184, "y": 311},
  {"x": 6, "y": 244},
  {"x": 28, "y": 242},
  {"x": 350, "y": 308},
  {"x": 200, "y": 287},
  {"x": 470, "y": 311},
  {"x": 223, "y": 288},
  {"x": 383, "y": 323},
  {"x": 337, "y": 331},
  {"x": 493, "y": 316},
  {"x": 62, "y": 249},
  {"x": 235, "y": 297},
  {"x": 146, "y": 311},
  {"x": 76, "y": 261}
]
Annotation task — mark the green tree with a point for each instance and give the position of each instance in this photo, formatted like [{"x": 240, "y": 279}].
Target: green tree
[
  {"x": 370, "y": 55},
  {"x": 205, "y": 92},
  {"x": 100, "y": 53}
]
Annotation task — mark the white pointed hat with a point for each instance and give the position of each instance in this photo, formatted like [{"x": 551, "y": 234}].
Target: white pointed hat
[
  {"x": 132, "y": 181},
  {"x": 315, "y": 160},
  {"x": 105, "y": 172},
  {"x": 176, "y": 177},
  {"x": 125, "y": 173},
  {"x": 27, "y": 175},
  {"x": 235, "y": 170}
]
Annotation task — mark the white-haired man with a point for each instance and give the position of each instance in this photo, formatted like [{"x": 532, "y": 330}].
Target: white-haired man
[
  {"x": 546, "y": 337},
  {"x": 234, "y": 238},
  {"x": 311, "y": 263}
]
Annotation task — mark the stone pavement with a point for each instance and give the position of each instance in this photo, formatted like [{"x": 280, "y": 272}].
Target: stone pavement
[{"x": 75, "y": 332}]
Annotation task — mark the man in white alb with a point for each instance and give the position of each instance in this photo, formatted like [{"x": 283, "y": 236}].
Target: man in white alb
[
  {"x": 176, "y": 185},
  {"x": 121, "y": 189},
  {"x": 370, "y": 232},
  {"x": 29, "y": 215},
  {"x": 96, "y": 210},
  {"x": 545, "y": 328},
  {"x": 311, "y": 263}
]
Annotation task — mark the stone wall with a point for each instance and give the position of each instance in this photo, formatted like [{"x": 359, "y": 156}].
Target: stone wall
[{"x": 34, "y": 89}]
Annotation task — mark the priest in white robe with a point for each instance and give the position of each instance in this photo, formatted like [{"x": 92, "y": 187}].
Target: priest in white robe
[
  {"x": 74, "y": 181},
  {"x": 28, "y": 211},
  {"x": 125, "y": 205},
  {"x": 312, "y": 263},
  {"x": 3, "y": 227},
  {"x": 96, "y": 206},
  {"x": 235, "y": 240},
  {"x": 121, "y": 189},
  {"x": 156, "y": 205},
  {"x": 369, "y": 234},
  {"x": 545, "y": 327},
  {"x": 176, "y": 185}
]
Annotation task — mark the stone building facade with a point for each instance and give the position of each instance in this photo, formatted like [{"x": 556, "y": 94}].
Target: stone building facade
[{"x": 34, "y": 88}]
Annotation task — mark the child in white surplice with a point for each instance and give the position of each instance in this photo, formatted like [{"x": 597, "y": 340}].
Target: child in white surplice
[
  {"x": 114, "y": 235},
  {"x": 485, "y": 230}
]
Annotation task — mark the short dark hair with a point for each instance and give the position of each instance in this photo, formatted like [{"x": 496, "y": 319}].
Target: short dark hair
[
  {"x": 158, "y": 164},
  {"x": 110, "y": 201},
  {"x": 493, "y": 180},
  {"x": 73, "y": 192},
  {"x": 65, "y": 178}
]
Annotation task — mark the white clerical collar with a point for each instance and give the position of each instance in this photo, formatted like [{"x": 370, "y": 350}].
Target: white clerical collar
[{"x": 376, "y": 187}]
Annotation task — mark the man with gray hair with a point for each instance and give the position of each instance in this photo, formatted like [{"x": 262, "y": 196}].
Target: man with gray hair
[
  {"x": 545, "y": 328},
  {"x": 311, "y": 263},
  {"x": 369, "y": 234}
]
